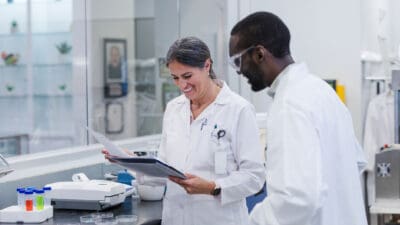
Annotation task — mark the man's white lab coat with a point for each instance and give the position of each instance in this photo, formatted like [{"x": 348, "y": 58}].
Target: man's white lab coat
[
  {"x": 192, "y": 147},
  {"x": 313, "y": 157}
]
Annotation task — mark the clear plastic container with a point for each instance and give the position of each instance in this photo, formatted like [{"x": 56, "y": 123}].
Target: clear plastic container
[
  {"x": 29, "y": 200},
  {"x": 47, "y": 199},
  {"x": 87, "y": 219},
  {"x": 20, "y": 197},
  {"x": 106, "y": 221},
  {"x": 127, "y": 219},
  {"x": 102, "y": 215},
  {"x": 39, "y": 197}
]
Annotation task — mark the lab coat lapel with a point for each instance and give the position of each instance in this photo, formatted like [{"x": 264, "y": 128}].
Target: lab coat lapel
[{"x": 185, "y": 115}]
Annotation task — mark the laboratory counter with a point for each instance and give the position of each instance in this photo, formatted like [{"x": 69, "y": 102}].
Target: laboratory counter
[{"x": 145, "y": 210}]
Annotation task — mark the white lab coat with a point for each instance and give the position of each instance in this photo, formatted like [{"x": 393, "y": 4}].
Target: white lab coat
[
  {"x": 191, "y": 147},
  {"x": 379, "y": 130},
  {"x": 313, "y": 157}
]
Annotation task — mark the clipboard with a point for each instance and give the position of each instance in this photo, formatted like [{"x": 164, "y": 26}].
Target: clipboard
[{"x": 148, "y": 166}]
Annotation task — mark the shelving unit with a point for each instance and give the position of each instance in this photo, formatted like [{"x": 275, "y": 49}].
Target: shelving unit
[{"x": 36, "y": 93}]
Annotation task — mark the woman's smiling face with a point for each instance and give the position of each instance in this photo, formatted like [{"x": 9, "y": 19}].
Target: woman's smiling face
[{"x": 192, "y": 81}]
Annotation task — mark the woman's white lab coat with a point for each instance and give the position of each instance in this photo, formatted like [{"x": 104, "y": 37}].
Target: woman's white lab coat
[
  {"x": 313, "y": 157},
  {"x": 235, "y": 160}
]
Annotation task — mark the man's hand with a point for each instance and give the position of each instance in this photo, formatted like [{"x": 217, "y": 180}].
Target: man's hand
[{"x": 194, "y": 184}]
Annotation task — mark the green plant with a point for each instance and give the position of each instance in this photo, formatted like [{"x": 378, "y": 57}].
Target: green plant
[
  {"x": 9, "y": 87},
  {"x": 64, "y": 47},
  {"x": 14, "y": 23},
  {"x": 62, "y": 87}
]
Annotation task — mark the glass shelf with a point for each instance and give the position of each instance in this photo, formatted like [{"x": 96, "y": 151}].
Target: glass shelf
[
  {"x": 35, "y": 65},
  {"x": 24, "y": 35},
  {"x": 13, "y": 95},
  {"x": 52, "y": 95}
]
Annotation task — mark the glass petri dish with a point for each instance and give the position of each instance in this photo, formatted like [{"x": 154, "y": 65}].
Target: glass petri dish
[
  {"x": 86, "y": 219},
  {"x": 102, "y": 215},
  {"x": 67, "y": 223},
  {"x": 106, "y": 221},
  {"x": 127, "y": 219}
]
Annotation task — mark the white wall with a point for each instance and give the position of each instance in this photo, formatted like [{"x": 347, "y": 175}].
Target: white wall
[{"x": 326, "y": 35}]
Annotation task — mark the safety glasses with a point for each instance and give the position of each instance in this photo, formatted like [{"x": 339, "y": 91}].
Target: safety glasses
[{"x": 236, "y": 60}]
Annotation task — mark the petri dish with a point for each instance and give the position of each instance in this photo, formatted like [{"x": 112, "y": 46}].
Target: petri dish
[
  {"x": 106, "y": 221},
  {"x": 67, "y": 223},
  {"x": 86, "y": 219},
  {"x": 101, "y": 215},
  {"x": 127, "y": 219}
]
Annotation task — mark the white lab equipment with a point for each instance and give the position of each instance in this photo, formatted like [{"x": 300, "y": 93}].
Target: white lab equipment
[
  {"x": 151, "y": 193},
  {"x": 15, "y": 214},
  {"x": 379, "y": 130},
  {"x": 86, "y": 194}
]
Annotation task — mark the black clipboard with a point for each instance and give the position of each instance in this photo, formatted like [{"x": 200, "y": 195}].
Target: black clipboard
[{"x": 148, "y": 166}]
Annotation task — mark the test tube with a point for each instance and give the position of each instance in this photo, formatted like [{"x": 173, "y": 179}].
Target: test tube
[
  {"x": 29, "y": 200},
  {"x": 47, "y": 199},
  {"x": 32, "y": 189},
  {"x": 20, "y": 197},
  {"x": 39, "y": 197}
]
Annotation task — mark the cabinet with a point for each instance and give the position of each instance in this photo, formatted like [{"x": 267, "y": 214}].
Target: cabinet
[{"x": 36, "y": 91}]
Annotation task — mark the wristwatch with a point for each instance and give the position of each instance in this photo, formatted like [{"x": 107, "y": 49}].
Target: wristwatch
[{"x": 216, "y": 191}]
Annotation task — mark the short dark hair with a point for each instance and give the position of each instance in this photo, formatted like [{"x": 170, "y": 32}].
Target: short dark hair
[
  {"x": 190, "y": 51},
  {"x": 266, "y": 29}
]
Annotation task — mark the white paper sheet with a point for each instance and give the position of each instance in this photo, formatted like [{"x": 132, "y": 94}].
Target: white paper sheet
[{"x": 111, "y": 147}]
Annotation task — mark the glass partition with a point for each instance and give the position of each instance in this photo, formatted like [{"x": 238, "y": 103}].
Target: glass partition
[{"x": 68, "y": 64}]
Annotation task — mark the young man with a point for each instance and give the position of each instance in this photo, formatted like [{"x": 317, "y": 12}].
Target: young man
[{"x": 314, "y": 161}]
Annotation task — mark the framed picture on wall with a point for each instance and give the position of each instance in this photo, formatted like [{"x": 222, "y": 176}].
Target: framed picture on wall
[
  {"x": 169, "y": 92},
  {"x": 115, "y": 67},
  {"x": 163, "y": 69},
  {"x": 114, "y": 59}
]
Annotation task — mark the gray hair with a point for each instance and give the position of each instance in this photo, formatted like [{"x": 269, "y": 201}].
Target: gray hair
[{"x": 190, "y": 51}]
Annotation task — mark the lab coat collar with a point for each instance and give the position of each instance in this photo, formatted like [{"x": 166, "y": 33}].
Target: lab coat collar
[
  {"x": 222, "y": 97},
  {"x": 294, "y": 67}
]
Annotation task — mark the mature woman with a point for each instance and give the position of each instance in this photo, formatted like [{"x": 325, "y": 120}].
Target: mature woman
[{"x": 210, "y": 133}]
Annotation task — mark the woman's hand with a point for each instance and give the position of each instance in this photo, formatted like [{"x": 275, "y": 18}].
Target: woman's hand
[{"x": 194, "y": 184}]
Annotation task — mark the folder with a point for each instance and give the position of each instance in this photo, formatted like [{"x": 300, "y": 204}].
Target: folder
[{"x": 148, "y": 166}]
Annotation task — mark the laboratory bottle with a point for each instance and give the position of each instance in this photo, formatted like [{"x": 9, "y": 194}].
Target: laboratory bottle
[
  {"x": 29, "y": 200},
  {"x": 39, "y": 197},
  {"x": 47, "y": 199},
  {"x": 20, "y": 197}
]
